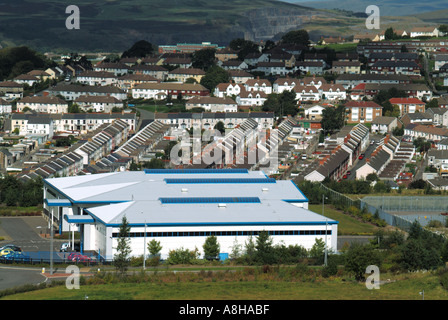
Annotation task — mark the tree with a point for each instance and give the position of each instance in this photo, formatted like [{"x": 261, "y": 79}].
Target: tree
[
  {"x": 389, "y": 34},
  {"x": 264, "y": 249},
  {"x": 122, "y": 257},
  {"x": 281, "y": 104},
  {"x": 358, "y": 257},
  {"x": 154, "y": 164},
  {"x": 154, "y": 247},
  {"x": 211, "y": 248},
  {"x": 236, "y": 250},
  {"x": 317, "y": 251},
  {"x": 214, "y": 76},
  {"x": 443, "y": 28},
  {"x": 139, "y": 49},
  {"x": 299, "y": 37},
  {"x": 220, "y": 127},
  {"x": 333, "y": 119},
  {"x": 243, "y": 47},
  {"x": 203, "y": 59},
  {"x": 432, "y": 104},
  {"x": 249, "y": 250}
]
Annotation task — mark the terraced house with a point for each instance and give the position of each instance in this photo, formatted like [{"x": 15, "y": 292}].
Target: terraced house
[{"x": 44, "y": 104}]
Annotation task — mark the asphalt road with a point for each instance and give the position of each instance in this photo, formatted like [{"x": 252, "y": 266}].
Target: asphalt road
[
  {"x": 24, "y": 232},
  {"x": 359, "y": 163},
  {"x": 17, "y": 276}
]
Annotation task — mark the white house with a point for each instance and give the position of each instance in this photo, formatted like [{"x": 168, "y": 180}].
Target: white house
[
  {"x": 228, "y": 89},
  {"x": 212, "y": 104},
  {"x": 383, "y": 125},
  {"x": 251, "y": 98},
  {"x": 43, "y": 104},
  {"x": 332, "y": 92},
  {"x": 424, "y": 32},
  {"x": 282, "y": 84},
  {"x": 314, "y": 112},
  {"x": 5, "y": 106},
  {"x": 117, "y": 68},
  {"x": 258, "y": 85},
  {"x": 98, "y": 103},
  {"x": 306, "y": 93},
  {"x": 26, "y": 79},
  {"x": 97, "y": 78}
]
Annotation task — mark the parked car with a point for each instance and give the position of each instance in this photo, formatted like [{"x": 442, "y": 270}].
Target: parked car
[
  {"x": 73, "y": 255},
  {"x": 81, "y": 258},
  {"x": 66, "y": 247},
  {"x": 344, "y": 176},
  {"x": 11, "y": 246},
  {"x": 6, "y": 251},
  {"x": 361, "y": 156},
  {"x": 17, "y": 256},
  {"x": 349, "y": 173}
]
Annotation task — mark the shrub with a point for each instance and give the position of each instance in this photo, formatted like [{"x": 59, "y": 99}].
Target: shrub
[
  {"x": 444, "y": 279},
  {"x": 182, "y": 256},
  {"x": 330, "y": 269}
]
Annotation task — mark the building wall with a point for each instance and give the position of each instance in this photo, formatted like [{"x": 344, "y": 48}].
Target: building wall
[{"x": 226, "y": 242}]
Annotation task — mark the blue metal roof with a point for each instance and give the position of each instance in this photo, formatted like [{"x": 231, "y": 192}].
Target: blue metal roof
[
  {"x": 58, "y": 202},
  {"x": 79, "y": 219},
  {"x": 194, "y": 171},
  {"x": 210, "y": 200},
  {"x": 218, "y": 180}
]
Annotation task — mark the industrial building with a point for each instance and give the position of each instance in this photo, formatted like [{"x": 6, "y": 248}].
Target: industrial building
[{"x": 182, "y": 207}]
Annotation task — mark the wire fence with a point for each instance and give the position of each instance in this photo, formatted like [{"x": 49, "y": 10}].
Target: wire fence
[
  {"x": 376, "y": 207},
  {"x": 422, "y": 209}
]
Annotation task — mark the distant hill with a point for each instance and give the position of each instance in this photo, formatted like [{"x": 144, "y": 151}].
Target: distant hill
[
  {"x": 114, "y": 25},
  {"x": 387, "y": 7}
]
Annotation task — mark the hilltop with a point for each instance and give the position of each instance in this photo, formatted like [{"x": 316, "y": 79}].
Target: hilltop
[
  {"x": 115, "y": 25},
  {"x": 387, "y": 7}
]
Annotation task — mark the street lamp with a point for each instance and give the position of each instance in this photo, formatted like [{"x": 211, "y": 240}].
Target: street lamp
[
  {"x": 326, "y": 228},
  {"x": 144, "y": 246}
]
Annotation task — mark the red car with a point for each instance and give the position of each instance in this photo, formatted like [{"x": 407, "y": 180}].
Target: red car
[
  {"x": 81, "y": 258},
  {"x": 78, "y": 257},
  {"x": 361, "y": 156},
  {"x": 73, "y": 255},
  {"x": 344, "y": 176}
]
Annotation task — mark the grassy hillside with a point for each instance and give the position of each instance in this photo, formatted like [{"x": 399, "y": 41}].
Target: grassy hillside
[
  {"x": 116, "y": 25},
  {"x": 387, "y": 7},
  {"x": 246, "y": 285}
]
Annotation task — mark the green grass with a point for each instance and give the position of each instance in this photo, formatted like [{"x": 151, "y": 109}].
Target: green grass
[
  {"x": 401, "y": 287},
  {"x": 347, "y": 225}
]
